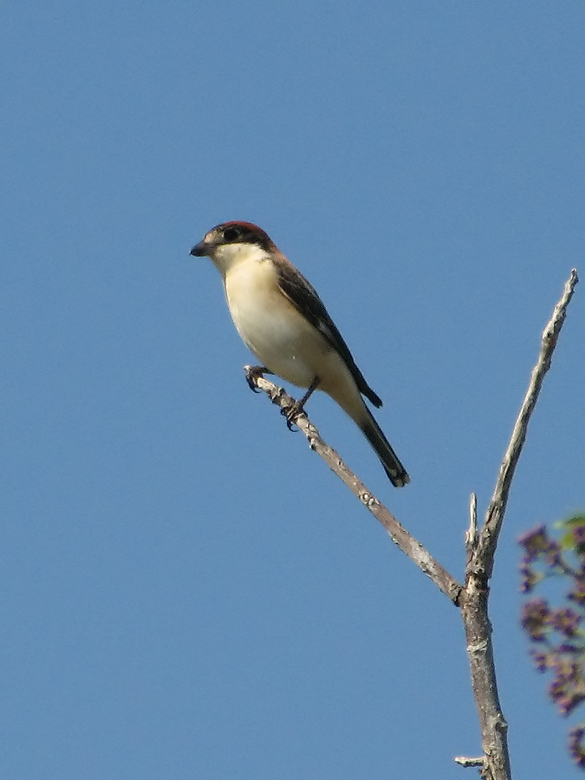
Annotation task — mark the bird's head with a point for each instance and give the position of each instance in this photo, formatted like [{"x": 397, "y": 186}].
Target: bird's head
[{"x": 234, "y": 242}]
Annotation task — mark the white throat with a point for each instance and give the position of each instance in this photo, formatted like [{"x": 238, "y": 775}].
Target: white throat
[{"x": 228, "y": 256}]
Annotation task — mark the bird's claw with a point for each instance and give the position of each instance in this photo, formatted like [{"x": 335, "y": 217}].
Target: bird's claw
[
  {"x": 253, "y": 373},
  {"x": 291, "y": 413},
  {"x": 251, "y": 385}
]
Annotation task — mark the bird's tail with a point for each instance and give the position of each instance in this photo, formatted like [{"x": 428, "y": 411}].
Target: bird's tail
[{"x": 392, "y": 466}]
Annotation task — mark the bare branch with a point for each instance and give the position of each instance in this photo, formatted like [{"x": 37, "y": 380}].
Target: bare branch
[
  {"x": 484, "y": 555},
  {"x": 471, "y": 534},
  {"x": 493, "y": 726},
  {"x": 466, "y": 762},
  {"x": 399, "y": 535},
  {"x": 474, "y": 600}
]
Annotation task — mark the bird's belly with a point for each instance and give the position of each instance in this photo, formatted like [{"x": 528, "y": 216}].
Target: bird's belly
[{"x": 280, "y": 337}]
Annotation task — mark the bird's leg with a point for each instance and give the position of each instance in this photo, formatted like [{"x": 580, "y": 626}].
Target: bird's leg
[
  {"x": 298, "y": 406},
  {"x": 252, "y": 373}
]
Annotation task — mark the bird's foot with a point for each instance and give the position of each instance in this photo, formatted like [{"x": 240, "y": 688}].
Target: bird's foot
[
  {"x": 291, "y": 413},
  {"x": 253, "y": 373},
  {"x": 299, "y": 406}
]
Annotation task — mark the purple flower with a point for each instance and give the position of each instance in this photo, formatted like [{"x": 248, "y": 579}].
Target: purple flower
[
  {"x": 576, "y": 748},
  {"x": 535, "y": 619},
  {"x": 535, "y": 542},
  {"x": 565, "y": 621}
]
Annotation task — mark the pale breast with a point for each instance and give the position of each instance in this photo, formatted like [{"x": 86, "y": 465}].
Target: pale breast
[{"x": 280, "y": 337}]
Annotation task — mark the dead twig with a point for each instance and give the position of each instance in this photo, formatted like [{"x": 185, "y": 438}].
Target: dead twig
[
  {"x": 480, "y": 560},
  {"x": 399, "y": 535}
]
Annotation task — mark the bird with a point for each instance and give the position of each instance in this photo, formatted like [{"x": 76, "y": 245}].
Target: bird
[{"x": 283, "y": 321}]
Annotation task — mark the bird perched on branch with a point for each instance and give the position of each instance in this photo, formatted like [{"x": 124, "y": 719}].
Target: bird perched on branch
[{"x": 284, "y": 322}]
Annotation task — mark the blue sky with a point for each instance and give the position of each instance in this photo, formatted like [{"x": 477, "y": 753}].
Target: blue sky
[{"x": 187, "y": 591}]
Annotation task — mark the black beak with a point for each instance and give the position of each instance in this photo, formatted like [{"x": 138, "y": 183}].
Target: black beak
[{"x": 200, "y": 250}]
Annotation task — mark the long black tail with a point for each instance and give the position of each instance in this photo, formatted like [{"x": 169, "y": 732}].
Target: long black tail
[{"x": 392, "y": 466}]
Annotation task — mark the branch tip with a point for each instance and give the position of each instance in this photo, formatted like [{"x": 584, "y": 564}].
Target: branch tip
[
  {"x": 471, "y": 534},
  {"x": 483, "y": 558},
  {"x": 469, "y": 762}
]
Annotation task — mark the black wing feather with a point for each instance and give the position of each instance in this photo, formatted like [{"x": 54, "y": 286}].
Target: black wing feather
[{"x": 305, "y": 298}]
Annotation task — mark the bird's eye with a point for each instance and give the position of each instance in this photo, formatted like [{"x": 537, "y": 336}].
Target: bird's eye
[{"x": 231, "y": 234}]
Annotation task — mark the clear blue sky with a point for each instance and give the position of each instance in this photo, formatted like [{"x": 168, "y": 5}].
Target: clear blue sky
[{"x": 186, "y": 590}]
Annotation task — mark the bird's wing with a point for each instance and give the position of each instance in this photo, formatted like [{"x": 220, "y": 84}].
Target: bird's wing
[{"x": 306, "y": 300}]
